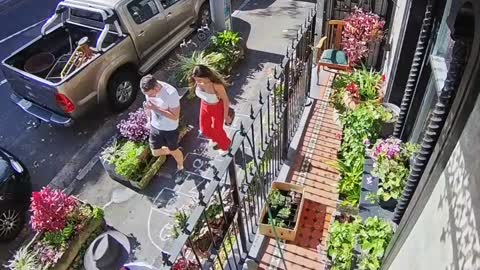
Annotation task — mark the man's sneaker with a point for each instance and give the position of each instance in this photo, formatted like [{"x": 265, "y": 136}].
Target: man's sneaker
[
  {"x": 223, "y": 152},
  {"x": 180, "y": 176}
]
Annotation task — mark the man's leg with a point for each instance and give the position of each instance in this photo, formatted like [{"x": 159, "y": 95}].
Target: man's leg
[{"x": 178, "y": 156}]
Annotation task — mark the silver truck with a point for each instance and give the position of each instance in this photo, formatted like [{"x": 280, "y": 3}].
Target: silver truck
[{"x": 94, "y": 51}]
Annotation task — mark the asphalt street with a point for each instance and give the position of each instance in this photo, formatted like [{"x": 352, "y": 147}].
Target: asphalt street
[{"x": 43, "y": 149}]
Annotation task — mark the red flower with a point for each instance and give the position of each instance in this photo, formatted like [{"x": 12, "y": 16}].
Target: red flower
[
  {"x": 383, "y": 77},
  {"x": 352, "y": 88},
  {"x": 50, "y": 209}
]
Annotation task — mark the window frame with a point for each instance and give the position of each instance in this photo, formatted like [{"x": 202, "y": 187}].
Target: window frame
[{"x": 128, "y": 7}]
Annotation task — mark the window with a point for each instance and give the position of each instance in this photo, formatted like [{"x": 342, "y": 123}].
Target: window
[
  {"x": 142, "y": 10},
  {"x": 168, "y": 3},
  {"x": 85, "y": 14}
]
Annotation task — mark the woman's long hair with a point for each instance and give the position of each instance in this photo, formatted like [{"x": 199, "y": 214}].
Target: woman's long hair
[{"x": 202, "y": 71}]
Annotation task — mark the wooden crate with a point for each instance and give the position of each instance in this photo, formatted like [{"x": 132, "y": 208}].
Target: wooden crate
[{"x": 283, "y": 233}]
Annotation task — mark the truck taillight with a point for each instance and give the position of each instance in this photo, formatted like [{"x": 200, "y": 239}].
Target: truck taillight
[{"x": 65, "y": 103}]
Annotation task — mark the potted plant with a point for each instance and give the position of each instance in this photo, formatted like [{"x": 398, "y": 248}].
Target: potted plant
[
  {"x": 361, "y": 29},
  {"x": 63, "y": 225},
  {"x": 391, "y": 165},
  {"x": 390, "y": 113},
  {"x": 285, "y": 202},
  {"x": 373, "y": 239},
  {"x": 229, "y": 44},
  {"x": 341, "y": 244},
  {"x": 128, "y": 158}
]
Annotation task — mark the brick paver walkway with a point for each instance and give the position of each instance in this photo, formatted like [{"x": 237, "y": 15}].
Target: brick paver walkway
[{"x": 320, "y": 144}]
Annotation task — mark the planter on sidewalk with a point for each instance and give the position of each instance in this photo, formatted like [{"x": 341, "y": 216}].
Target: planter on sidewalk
[
  {"x": 286, "y": 204},
  {"x": 65, "y": 226},
  {"x": 131, "y": 163}
]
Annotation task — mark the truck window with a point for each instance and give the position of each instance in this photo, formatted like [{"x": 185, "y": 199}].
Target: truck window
[
  {"x": 85, "y": 14},
  {"x": 142, "y": 10},
  {"x": 168, "y": 3}
]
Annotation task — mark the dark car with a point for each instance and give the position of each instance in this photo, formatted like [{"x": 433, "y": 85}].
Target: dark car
[{"x": 15, "y": 193}]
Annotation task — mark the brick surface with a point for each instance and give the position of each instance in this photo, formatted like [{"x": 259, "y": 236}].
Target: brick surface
[{"x": 319, "y": 146}]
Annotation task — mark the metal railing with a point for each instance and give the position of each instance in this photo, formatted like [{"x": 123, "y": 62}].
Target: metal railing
[{"x": 219, "y": 232}]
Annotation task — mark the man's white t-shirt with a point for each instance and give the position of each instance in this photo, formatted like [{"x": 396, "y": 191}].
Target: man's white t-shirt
[{"x": 167, "y": 98}]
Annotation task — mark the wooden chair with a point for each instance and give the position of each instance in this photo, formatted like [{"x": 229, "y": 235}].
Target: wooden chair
[{"x": 328, "y": 49}]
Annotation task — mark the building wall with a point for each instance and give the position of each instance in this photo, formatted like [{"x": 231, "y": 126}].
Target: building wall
[{"x": 447, "y": 233}]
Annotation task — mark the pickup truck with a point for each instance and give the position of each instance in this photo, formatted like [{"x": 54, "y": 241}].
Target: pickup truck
[{"x": 94, "y": 51}]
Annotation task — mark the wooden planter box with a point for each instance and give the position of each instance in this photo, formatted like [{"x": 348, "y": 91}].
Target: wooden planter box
[
  {"x": 283, "y": 233},
  {"x": 142, "y": 183},
  {"x": 75, "y": 245}
]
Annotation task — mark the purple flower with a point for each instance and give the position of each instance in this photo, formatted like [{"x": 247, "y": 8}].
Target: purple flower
[{"x": 135, "y": 127}]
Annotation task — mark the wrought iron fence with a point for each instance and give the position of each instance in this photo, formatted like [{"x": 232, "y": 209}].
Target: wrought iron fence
[
  {"x": 340, "y": 9},
  {"x": 219, "y": 232}
]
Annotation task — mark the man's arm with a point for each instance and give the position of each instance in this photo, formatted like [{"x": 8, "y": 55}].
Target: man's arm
[{"x": 172, "y": 113}]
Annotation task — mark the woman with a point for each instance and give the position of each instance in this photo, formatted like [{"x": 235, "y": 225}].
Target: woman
[{"x": 210, "y": 88}]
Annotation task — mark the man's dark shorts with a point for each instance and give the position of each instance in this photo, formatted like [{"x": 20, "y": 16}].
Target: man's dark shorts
[{"x": 163, "y": 138}]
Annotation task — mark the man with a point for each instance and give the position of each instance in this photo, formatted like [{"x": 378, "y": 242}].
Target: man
[{"x": 162, "y": 107}]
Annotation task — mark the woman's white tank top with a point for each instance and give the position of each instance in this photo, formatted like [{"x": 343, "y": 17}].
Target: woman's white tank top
[{"x": 207, "y": 97}]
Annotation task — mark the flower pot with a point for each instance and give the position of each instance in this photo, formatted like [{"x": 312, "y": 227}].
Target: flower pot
[
  {"x": 283, "y": 233},
  {"x": 388, "y": 127},
  {"x": 388, "y": 205}
]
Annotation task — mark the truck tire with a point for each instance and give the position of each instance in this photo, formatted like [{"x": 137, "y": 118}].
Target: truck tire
[
  {"x": 12, "y": 220},
  {"x": 204, "y": 16},
  {"x": 122, "y": 89}
]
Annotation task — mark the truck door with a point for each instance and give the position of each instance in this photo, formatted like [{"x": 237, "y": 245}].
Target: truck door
[
  {"x": 149, "y": 26},
  {"x": 179, "y": 13}
]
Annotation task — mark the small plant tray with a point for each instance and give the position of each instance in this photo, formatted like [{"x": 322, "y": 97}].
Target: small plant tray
[{"x": 283, "y": 233}]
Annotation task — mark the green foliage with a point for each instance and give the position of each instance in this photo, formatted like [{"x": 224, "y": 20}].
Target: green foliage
[
  {"x": 284, "y": 213},
  {"x": 127, "y": 162},
  {"x": 181, "y": 219},
  {"x": 23, "y": 259},
  {"x": 97, "y": 213},
  {"x": 392, "y": 174},
  {"x": 214, "y": 211},
  {"x": 408, "y": 150},
  {"x": 226, "y": 43},
  {"x": 280, "y": 223},
  {"x": 276, "y": 199},
  {"x": 373, "y": 240},
  {"x": 337, "y": 100},
  {"x": 350, "y": 185},
  {"x": 341, "y": 244},
  {"x": 213, "y": 61},
  {"x": 59, "y": 239},
  {"x": 369, "y": 262},
  {"x": 368, "y": 82}
]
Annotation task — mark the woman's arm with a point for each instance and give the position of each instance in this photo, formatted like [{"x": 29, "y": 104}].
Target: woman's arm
[{"x": 222, "y": 94}]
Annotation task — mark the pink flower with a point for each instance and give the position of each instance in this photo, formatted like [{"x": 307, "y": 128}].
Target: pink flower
[{"x": 384, "y": 78}]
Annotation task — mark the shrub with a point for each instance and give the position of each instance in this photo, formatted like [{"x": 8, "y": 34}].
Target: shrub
[
  {"x": 134, "y": 128},
  {"x": 50, "y": 209},
  {"x": 23, "y": 259},
  {"x": 187, "y": 64},
  {"x": 127, "y": 162},
  {"x": 361, "y": 28}
]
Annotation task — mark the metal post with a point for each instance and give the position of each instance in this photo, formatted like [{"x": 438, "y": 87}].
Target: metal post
[
  {"x": 414, "y": 71},
  {"x": 435, "y": 125},
  {"x": 236, "y": 200},
  {"x": 286, "y": 92},
  {"x": 221, "y": 12}
]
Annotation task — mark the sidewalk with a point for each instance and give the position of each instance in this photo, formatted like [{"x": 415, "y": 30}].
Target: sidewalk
[
  {"x": 318, "y": 145},
  {"x": 146, "y": 217}
]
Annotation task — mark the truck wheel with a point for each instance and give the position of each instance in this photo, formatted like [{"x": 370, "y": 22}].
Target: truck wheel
[
  {"x": 204, "y": 17},
  {"x": 122, "y": 89},
  {"x": 11, "y": 223}
]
